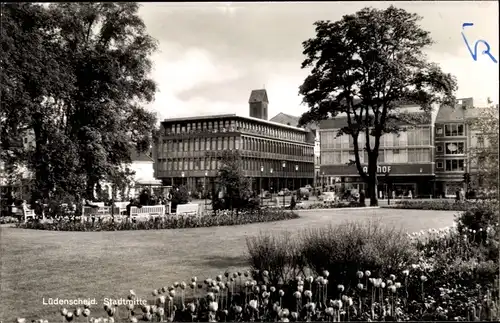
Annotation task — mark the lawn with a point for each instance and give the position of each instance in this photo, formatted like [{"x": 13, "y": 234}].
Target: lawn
[{"x": 69, "y": 265}]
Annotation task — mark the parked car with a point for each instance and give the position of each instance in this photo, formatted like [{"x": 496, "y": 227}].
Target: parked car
[
  {"x": 285, "y": 192},
  {"x": 304, "y": 193},
  {"x": 329, "y": 197},
  {"x": 265, "y": 195},
  {"x": 308, "y": 187},
  {"x": 350, "y": 195}
]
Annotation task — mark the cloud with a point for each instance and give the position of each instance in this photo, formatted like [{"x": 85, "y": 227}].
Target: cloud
[{"x": 212, "y": 55}]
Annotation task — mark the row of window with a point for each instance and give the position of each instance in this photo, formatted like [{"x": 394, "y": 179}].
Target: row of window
[
  {"x": 230, "y": 143},
  {"x": 451, "y": 148},
  {"x": 266, "y": 167},
  {"x": 451, "y": 130},
  {"x": 412, "y": 137},
  {"x": 451, "y": 165},
  {"x": 233, "y": 125},
  {"x": 388, "y": 156}
]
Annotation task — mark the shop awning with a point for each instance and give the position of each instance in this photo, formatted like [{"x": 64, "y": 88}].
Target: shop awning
[{"x": 148, "y": 182}]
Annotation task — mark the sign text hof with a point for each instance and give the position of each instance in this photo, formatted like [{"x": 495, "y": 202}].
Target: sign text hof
[{"x": 380, "y": 169}]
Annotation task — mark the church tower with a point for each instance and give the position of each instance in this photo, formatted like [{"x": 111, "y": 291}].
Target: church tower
[{"x": 258, "y": 104}]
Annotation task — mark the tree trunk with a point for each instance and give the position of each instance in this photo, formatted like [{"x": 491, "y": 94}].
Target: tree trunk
[{"x": 372, "y": 180}]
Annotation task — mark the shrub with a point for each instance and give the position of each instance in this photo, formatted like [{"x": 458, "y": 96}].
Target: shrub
[
  {"x": 169, "y": 222},
  {"x": 349, "y": 247},
  {"x": 180, "y": 195},
  {"x": 332, "y": 205},
  {"x": 279, "y": 255},
  {"x": 438, "y": 205},
  {"x": 8, "y": 219},
  {"x": 478, "y": 220}
]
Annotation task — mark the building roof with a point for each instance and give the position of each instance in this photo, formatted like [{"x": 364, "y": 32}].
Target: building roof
[
  {"x": 287, "y": 119},
  {"x": 339, "y": 122},
  {"x": 258, "y": 96},
  {"x": 233, "y": 116},
  {"x": 464, "y": 109}
]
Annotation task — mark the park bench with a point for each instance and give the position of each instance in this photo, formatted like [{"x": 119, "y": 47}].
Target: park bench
[
  {"x": 147, "y": 212},
  {"x": 187, "y": 209}
]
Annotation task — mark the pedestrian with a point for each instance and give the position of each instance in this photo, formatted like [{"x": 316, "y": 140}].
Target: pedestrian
[
  {"x": 457, "y": 195},
  {"x": 293, "y": 203},
  {"x": 410, "y": 195}
]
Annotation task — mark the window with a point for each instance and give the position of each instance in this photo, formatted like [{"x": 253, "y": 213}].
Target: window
[
  {"x": 454, "y": 148},
  {"x": 454, "y": 165},
  {"x": 419, "y": 155},
  {"x": 439, "y": 165},
  {"x": 454, "y": 130},
  {"x": 439, "y": 148}
]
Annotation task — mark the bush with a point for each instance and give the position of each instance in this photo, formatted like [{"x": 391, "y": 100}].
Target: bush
[
  {"x": 172, "y": 222},
  {"x": 349, "y": 247},
  {"x": 180, "y": 195},
  {"x": 332, "y": 205},
  {"x": 437, "y": 205},
  {"x": 280, "y": 256},
  {"x": 8, "y": 219},
  {"x": 479, "y": 220}
]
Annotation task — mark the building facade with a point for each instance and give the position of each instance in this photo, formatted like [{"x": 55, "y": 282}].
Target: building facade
[
  {"x": 406, "y": 161},
  {"x": 290, "y": 120},
  {"x": 274, "y": 155}
]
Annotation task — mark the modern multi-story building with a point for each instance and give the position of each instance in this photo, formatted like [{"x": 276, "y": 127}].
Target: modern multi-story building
[
  {"x": 274, "y": 155},
  {"x": 405, "y": 159},
  {"x": 456, "y": 142},
  {"x": 290, "y": 120}
]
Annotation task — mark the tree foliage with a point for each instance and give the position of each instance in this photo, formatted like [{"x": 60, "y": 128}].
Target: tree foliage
[
  {"x": 236, "y": 187},
  {"x": 77, "y": 74},
  {"x": 363, "y": 68},
  {"x": 485, "y": 155}
]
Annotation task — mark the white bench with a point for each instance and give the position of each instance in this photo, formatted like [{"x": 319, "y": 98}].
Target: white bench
[
  {"x": 147, "y": 212},
  {"x": 188, "y": 209}
]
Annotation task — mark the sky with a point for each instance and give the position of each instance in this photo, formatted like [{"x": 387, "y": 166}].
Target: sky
[{"x": 211, "y": 55}]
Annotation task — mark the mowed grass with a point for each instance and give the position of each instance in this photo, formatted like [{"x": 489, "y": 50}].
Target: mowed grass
[{"x": 69, "y": 265}]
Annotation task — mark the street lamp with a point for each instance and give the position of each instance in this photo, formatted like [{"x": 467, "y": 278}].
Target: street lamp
[
  {"x": 387, "y": 182},
  {"x": 260, "y": 184},
  {"x": 182, "y": 174},
  {"x": 271, "y": 171},
  {"x": 284, "y": 165},
  {"x": 296, "y": 171},
  {"x": 206, "y": 190},
  {"x": 323, "y": 181}
]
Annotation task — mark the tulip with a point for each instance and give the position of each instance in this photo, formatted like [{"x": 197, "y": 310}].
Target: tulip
[
  {"x": 308, "y": 294},
  {"x": 297, "y": 295},
  {"x": 176, "y": 284},
  {"x": 360, "y": 286},
  {"x": 226, "y": 274},
  {"x": 398, "y": 285},
  {"x": 382, "y": 285},
  {"x": 300, "y": 288},
  {"x": 359, "y": 274},
  {"x": 219, "y": 278},
  {"x": 78, "y": 312},
  {"x": 64, "y": 312},
  {"x": 86, "y": 312},
  {"x": 406, "y": 272},
  {"x": 133, "y": 319},
  {"x": 324, "y": 281},
  {"x": 211, "y": 296},
  {"x": 132, "y": 293},
  {"x": 21, "y": 320},
  {"x": 172, "y": 293},
  {"x": 216, "y": 289},
  {"x": 155, "y": 292},
  {"x": 183, "y": 285},
  {"x": 263, "y": 288},
  {"x": 329, "y": 311},
  {"x": 326, "y": 273},
  {"x": 310, "y": 279},
  {"x": 392, "y": 277},
  {"x": 368, "y": 273},
  {"x": 247, "y": 274},
  {"x": 281, "y": 293},
  {"x": 235, "y": 275},
  {"x": 392, "y": 288},
  {"x": 130, "y": 306},
  {"x": 350, "y": 302},
  {"x": 295, "y": 315},
  {"x": 265, "y": 273},
  {"x": 191, "y": 307},
  {"x": 423, "y": 278},
  {"x": 253, "y": 304},
  {"x": 69, "y": 316},
  {"x": 213, "y": 306},
  {"x": 340, "y": 288},
  {"x": 192, "y": 285},
  {"x": 194, "y": 279},
  {"x": 256, "y": 289},
  {"x": 200, "y": 286},
  {"x": 272, "y": 289},
  {"x": 239, "y": 273},
  {"x": 389, "y": 282},
  {"x": 111, "y": 320},
  {"x": 238, "y": 309}
]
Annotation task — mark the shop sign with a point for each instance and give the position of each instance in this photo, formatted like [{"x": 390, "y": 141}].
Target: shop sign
[{"x": 380, "y": 169}]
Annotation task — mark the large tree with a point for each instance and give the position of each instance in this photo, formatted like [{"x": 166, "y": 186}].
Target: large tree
[
  {"x": 77, "y": 74},
  {"x": 361, "y": 68}
]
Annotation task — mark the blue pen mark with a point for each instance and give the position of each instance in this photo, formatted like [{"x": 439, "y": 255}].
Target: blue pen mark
[{"x": 474, "y": 53}]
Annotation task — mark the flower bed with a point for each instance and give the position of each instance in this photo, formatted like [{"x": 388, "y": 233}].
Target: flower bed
[
  {"x": 8, "y": 219},
  {"x": 337, "y": 205},
  {"x": 174, "y": 222},
  {"x": 437, "y": 205}
]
